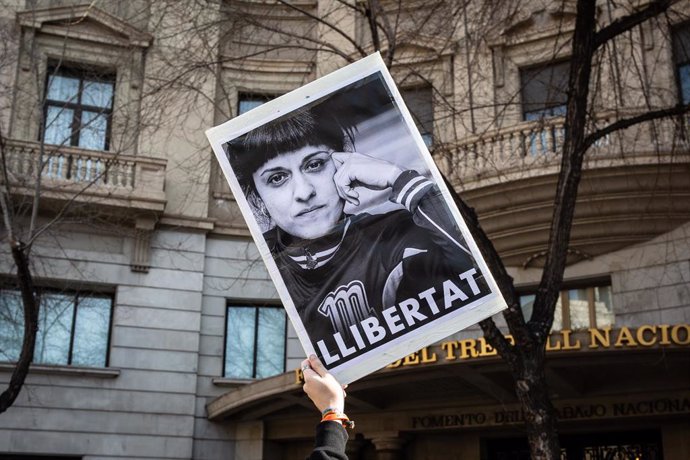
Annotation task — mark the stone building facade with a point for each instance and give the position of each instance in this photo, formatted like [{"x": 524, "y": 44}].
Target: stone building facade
[{"x": 162, "y": 336}]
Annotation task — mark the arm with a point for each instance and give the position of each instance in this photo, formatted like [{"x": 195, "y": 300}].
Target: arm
[
  {"x": 329, "y": 442},
  {"x": 408, "y": 188},
  {"x": 423, "y": 199},
  {"x": 326, "y": 393}
]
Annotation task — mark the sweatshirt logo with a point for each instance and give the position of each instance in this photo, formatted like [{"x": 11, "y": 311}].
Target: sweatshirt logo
[{"x": 345, "y": 306}]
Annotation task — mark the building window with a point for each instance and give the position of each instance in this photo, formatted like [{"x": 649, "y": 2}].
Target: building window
[
  {"x": 681, "y": 56},
  {"x": 254, "y": 341},
  {"x": 73, "y": 327},
  {"x": 78, "y": 108},
  {"x": 419, "y": 102},
  {"x": 580, "y": 307},
  {"x": 544, "y": 90},
  {"x": 247, "y": 101}
]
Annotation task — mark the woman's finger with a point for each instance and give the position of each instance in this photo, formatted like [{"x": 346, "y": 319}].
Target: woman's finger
[
  {"x": 339, "y": 158},
  {"x": 317, "y": 366},
  {"x": 343, "y": 187},
  {"x": 305, "y": 364}
]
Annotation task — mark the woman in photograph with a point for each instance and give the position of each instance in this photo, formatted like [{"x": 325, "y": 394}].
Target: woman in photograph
[{"x": 298, "y": 172}]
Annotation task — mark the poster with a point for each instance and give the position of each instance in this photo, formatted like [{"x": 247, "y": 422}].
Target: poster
[{"x": 353, "y": 221}]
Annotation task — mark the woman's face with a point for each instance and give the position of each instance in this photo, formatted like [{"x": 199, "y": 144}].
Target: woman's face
[{"x": 298, "y": 190}]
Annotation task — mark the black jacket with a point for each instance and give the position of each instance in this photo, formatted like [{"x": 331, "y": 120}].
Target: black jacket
[
  {"x": 378, "y": 260},
  {"x": 331, "y": 438}
]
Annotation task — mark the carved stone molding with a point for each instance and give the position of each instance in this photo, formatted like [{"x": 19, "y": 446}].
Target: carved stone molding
[
  {"x": 498, "y": 56},
  {"x": 84, "y": 22},
  {"x": 141, "y": 254},
  {"x": 388, "y": 446}
]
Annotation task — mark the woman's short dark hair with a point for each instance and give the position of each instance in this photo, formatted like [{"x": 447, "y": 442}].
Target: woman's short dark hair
[
  {"x": 298, "y": 129},
  {"x": 290, "y": 132}
]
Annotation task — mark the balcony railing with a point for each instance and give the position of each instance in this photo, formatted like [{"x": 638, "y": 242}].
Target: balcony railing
[
  {"x": 533, "y": 148},
  {"x": 87, "y": 175}
]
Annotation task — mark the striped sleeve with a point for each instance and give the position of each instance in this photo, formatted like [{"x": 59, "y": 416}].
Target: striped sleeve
[
  {"x": 412, "y": 190},
  {"x": 409, "y": 189}
]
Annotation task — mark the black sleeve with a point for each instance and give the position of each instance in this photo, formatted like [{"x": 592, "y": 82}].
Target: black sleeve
[
  {"x": 330, "y": 441},
  {"x": 424, "y": 201}
]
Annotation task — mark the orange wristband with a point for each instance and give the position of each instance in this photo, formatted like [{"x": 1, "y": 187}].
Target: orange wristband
[{"x": 333, "y": 416}]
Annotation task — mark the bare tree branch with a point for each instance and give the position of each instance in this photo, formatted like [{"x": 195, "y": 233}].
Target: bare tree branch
[
  {"x": 30, "y": 307},
  {"x": 497, "y": 340},
  {"x": 5, "y": 197},
  {"x": 626, "y": 23},
  {"x": 320, "y": 20},
  {"x": 631, "y": 121},
  {"x": 570, "y": 172},
  {"x": 327, "y": 46},
  {"x": 513, "y": 314}
]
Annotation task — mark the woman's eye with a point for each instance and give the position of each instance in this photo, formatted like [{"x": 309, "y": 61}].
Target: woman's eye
[
  {"x": 277, "y": 178},
  {"x": 314, "y": 165}
]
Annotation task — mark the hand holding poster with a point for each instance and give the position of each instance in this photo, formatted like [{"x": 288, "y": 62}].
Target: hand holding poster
[{"x": 370, "y": 257}]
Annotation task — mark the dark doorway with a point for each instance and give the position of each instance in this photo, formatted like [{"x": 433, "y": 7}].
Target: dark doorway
[{"x": 637, "y": 445}]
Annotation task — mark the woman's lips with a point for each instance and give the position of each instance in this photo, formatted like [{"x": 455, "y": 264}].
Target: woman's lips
[{"x": 309, "y": 210}]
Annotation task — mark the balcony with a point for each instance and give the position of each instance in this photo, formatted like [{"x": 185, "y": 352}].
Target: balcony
[
  {"x": 635, "y": 186},
  {"x": 86, "y": 177}
]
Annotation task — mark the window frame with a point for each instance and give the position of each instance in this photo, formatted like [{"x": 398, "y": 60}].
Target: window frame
[
  {"x": 419, "y": 123},
  {"x": 588, "y": 284},
  {"x": 256, "y": 306},
  {"x": 523, "y": 86},
  {"x": 82, "y": 72},
  {"x": 75, "y": 295},
  {"x": 676, "y": 61},
  {"x": 254, "y": 96}
]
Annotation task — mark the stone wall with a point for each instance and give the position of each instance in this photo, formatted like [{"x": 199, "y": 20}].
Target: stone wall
[{"x": 142, "y": 404}]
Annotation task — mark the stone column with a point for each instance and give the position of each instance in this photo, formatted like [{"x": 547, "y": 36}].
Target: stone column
[
  {"x": 353, "y": 448},
  {"x": 249, "y": 440},
  {"x": 388, "y": 446}
]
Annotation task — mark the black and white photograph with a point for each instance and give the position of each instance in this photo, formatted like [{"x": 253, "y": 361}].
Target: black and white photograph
[{"x": 349, "y": 212}]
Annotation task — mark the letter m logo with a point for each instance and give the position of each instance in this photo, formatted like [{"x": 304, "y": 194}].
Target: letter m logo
[{"x": 345, "y": 306}]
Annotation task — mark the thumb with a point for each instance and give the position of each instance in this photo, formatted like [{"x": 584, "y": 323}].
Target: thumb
[{"x": 317, "y": 365}]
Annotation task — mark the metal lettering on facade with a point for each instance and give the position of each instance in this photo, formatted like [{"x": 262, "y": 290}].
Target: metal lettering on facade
[
  {"x": 585, "y": 411},
  {"x": 646, "y": 336},
  {"x": 564, "y": 340}
]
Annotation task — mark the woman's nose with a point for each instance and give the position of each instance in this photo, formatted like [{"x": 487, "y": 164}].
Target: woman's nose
[{"x": 304, "y": 189}]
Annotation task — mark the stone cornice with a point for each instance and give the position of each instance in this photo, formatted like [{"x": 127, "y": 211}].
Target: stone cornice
[{"x": 69, "y": 21}]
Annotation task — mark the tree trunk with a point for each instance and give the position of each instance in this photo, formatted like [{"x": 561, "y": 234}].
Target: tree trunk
[
  {"x": 26, "y": 286},
  {"x": 540, "y": 416},
  {"x": 525, "y": 359}
]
